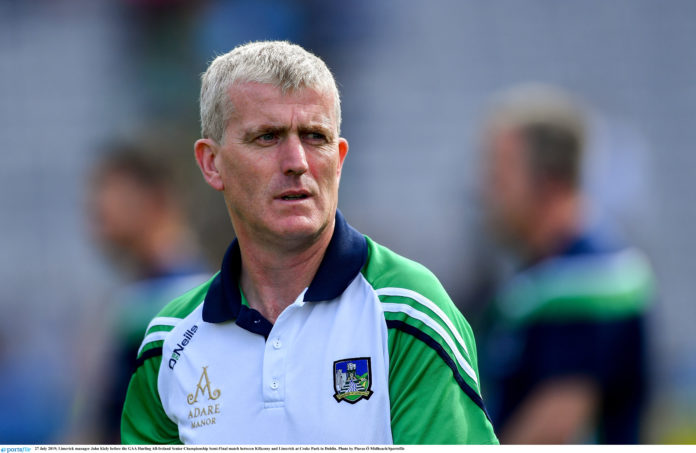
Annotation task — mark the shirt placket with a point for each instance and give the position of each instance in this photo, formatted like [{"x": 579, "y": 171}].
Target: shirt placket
[{"x": 275, "y": 356}]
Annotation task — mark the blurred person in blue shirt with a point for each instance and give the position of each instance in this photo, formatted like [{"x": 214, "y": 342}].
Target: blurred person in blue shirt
[
  {"x": 564, "y": 353},
  {"x": 138, "y": 218}
]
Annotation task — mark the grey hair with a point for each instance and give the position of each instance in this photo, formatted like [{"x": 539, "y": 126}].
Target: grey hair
[
  {"x": 279, "y": 63},
  {"x": 552, "y": 123}
]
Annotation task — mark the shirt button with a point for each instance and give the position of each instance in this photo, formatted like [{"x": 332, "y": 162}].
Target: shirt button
[
  {"x": 277, "y": 344},
  {"x": 274, "y": 384}
]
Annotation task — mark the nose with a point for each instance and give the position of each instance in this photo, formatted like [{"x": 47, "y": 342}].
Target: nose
[{"x": 293, "y": 158}]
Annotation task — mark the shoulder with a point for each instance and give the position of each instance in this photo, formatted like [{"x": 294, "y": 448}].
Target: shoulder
[
  {"x": 386, "y": 270},
  {"x": 584, "y": 287},
  {"x": 399, "y": 280},
  {"x": 416, "y": 304},
  {"x": 183, "y": 305},
  {"x": 170, "y": 316},
  {"x": 407, "y": 287}
]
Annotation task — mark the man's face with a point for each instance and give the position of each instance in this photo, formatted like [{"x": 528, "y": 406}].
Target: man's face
[
  {"x": 280, "y": 164},
  {"x": 119, "y": 209},
  {"x": 509, "y": 189}
]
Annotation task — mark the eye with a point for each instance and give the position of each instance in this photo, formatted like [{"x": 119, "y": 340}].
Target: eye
[
  {"x": 316, "y": 138},
  {"x": 267, "y": 138}
]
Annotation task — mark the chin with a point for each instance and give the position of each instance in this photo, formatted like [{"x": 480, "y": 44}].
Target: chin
[{"x": 302, "y": 228}]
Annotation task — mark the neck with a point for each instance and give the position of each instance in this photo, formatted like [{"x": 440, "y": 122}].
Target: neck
[
  {"x": 272, "y": 279},
  {"x": 557, "y": 222}
]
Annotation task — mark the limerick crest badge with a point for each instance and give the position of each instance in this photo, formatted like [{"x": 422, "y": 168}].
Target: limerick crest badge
[{"x": 352, "y": 379}]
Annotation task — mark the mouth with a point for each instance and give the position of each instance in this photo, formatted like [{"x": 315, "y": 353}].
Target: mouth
[{"x": 294, "y": 195}]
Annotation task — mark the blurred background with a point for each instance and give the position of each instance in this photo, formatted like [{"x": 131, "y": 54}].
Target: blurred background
[{"x": 79, "y": 79}]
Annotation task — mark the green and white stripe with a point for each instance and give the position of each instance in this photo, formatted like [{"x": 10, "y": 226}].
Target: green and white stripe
[
  {"x": 157, "y": 330},
  {"x": 411, "y": 294},
  {"x": 445, "y": 334}
]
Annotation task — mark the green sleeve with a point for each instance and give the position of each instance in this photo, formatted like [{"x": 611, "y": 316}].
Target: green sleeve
[
  {"x": 433, "y": 370},
  {"x": 144, "y": 420},
  {"x": 428, "y": 404}
]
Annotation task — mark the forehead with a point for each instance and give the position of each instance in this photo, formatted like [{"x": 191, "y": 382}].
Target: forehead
[
  {"x": 505, "y": 147},
  {"x": 253, "y": 102}
]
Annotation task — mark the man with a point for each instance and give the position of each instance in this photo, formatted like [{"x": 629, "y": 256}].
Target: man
[
  {"x": 310, "y": 332},
  {"x": 140, "y": 223},
  {"x": 566, "y": 351},
  {"x": 137, "y": 216}
]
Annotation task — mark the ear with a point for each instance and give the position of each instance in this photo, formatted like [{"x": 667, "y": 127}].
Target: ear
[
  {"x": 342, "y": 152},
  {"x": 206, "y": 150}
]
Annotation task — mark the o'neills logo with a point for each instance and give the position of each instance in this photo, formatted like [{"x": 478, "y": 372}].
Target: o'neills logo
[{"x": 182, "y": 345}]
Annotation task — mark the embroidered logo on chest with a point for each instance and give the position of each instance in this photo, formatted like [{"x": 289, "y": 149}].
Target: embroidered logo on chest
[
  {"x": 352, "y": 379},
  {"x": 203, "y": 414}
]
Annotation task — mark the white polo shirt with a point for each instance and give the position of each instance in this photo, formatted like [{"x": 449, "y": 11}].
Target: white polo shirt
[{"x": 362, "y": 356}]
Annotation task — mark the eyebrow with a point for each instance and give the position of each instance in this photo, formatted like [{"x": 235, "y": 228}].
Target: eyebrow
[
  {"x": 318, "y": 126},
  {"x": 254, "y": 132}
]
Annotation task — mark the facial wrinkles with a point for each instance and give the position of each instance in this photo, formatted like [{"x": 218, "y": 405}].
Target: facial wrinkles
[
  {"x": 297, "y": 125},
  {"x": 301, "y": 122},
  {"x": 272, "y": 116},
  {"x": 255, "y": 107}
]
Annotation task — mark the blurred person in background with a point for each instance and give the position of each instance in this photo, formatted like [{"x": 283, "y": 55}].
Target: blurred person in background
[
  {"x": 565, "y": 350},
  {"x": 138, "y": 217}
]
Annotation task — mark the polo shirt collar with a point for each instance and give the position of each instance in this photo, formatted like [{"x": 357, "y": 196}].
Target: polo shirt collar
[{"x": 343, "y": 259}]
